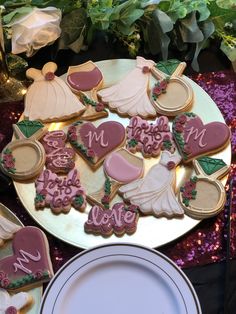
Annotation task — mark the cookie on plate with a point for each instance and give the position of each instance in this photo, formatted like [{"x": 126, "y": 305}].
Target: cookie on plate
[
  {"x": 95, "y": 143},
  {"x": 12, "y": 304},
  {"x": 7, "y": 229},
  {"x": 30, "y": 263},
  {"x": 195, "y": 139},
  {"x": 149, "y": 138}
]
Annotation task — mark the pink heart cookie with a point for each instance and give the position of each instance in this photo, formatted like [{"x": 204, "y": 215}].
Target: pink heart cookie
[
  {"x": 30, "y": 263},
  {"x": 194, "y": 138},
  {"x": 94, "y": 143}
]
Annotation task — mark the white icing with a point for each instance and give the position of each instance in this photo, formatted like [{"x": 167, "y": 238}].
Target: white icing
[
  {"x": 51, "y": 100},
  {"x": 7, "y": 229},
  {"x": 129, "y": 96},
  {"x": 196, "y": 135},
  {"x": 18, "y": 300},
  {"x": 98, "y": 138},
  {"x": 25, "y": 255},
  {"x": 154, "y": 193}
]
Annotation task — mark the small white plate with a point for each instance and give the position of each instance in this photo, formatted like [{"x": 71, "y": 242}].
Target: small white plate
[{"x": 120, "y": 278}]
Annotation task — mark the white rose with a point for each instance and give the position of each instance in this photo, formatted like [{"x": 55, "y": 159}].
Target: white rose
[{"x": 34, "y": 30}]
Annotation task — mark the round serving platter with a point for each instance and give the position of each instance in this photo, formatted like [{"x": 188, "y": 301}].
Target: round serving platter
[
  {"x": 152, "y": 232},
  {"x": 6, "y": 250}
]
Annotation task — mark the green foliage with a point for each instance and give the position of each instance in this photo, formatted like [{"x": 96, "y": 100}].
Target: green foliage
[{"x": 185, "y": 25}]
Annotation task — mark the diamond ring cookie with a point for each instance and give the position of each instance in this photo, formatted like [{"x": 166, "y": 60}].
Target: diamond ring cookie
[
  {"x": 24, "y": 158},
  {"x": 195, "y": 139},
  {"x": 49, "y": 98},
  {"x": 7, "y": 229},
  {"x": 171, "y": 94},
  {"x": 95, "y": 143},
  {"x": 204, "y": 196}
]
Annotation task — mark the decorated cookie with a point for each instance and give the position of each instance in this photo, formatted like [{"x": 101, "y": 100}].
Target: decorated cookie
[
  {"x": 49, "y": 98},
  {"x": 120, "y": 167},
  {"x": 59, "y": 158},
  {"x": 84, "y": 80},
  {"x": 203, "y": 195},
  {"x": 130, "y": 96},
  {"x": 149, "y": 138},
  {"x": 171, "y": 94},
  {"x": 7, "y": 229},
  {"x": 120, "y": 219},
  {"x": 30, "y": 263},
  {"x": 24, "y": 158},
  {"x": 194, "y": 138},
  {"x": 12, "y": 304},
  {"x": 94, "y": 109},
  {"x": 95, "y": 143},
  {"x": 59, "y": 193},
  {"x": 154, "y": 193}
]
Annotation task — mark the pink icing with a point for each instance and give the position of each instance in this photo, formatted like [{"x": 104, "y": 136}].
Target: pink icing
[
  {"x": 119, "y": 169},
  {"x": 103, "y": 139},
  {"x": 117, "y": 220},
  {"x": 30, "y": 254},
  {"x": 60, "y": 192},
  {"x": 149, "y": 137},
  {"x": 201, "y": 139},
  {"x": 85, "y": 81},
  {"x": 58, "y": 157}
]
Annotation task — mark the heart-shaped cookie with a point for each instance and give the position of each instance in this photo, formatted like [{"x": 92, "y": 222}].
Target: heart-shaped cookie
[
  {"x": 30, "y": 263},
  {"x": 94, "y": 143},
  {"x": 194, "y": 138}
]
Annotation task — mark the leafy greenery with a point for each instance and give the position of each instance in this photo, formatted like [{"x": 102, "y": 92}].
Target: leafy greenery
[{"x": 185, "y": 25}]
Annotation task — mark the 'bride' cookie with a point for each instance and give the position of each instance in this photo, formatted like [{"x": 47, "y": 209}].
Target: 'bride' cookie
[
  {"x": 12, "y": 304},
  {"x": 94, "y": 143},
  {"x": 120, "y": 219},
  {"x": 194, "y": 138},
  {"x": 154, "y": 194},
  {"x": 30, "y": 263},
  {"x": 204, "y": 195},
  {"x": 149, "y": 138},
  {"x": 59, "y": 193}
]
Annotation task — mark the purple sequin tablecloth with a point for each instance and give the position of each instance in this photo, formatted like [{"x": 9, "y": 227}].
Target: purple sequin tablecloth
[{"x": 206, "y": 243}]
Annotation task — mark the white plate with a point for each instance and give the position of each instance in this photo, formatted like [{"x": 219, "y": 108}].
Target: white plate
[{"x": 120, "y": 278}]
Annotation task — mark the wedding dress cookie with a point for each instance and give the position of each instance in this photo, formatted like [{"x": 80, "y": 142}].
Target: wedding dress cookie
[
  {"x": 7, "y": 229},
  {"x": 49, "y": 98},
  {"x": 154, "y": 193},
  {"x": 130, "y": 95},
  {"x": 12, "y": 304}
]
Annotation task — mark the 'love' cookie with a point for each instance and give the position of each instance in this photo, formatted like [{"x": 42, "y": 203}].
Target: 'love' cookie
[
  {"x": 118, "y": 220},
  {"x": 30, "y": 263},
  {"x": 149, "y": 138},
  {"x": 59, "y": 193},
  {"x": 194, "y": 138},
  {"x": 94, "y": 143}
]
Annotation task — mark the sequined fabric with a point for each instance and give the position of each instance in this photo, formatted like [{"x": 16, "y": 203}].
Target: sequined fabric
[{"x": 207, "y": 242}]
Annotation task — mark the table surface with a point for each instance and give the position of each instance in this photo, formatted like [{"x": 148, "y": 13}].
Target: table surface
[{"x": 202, "y": 252}]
